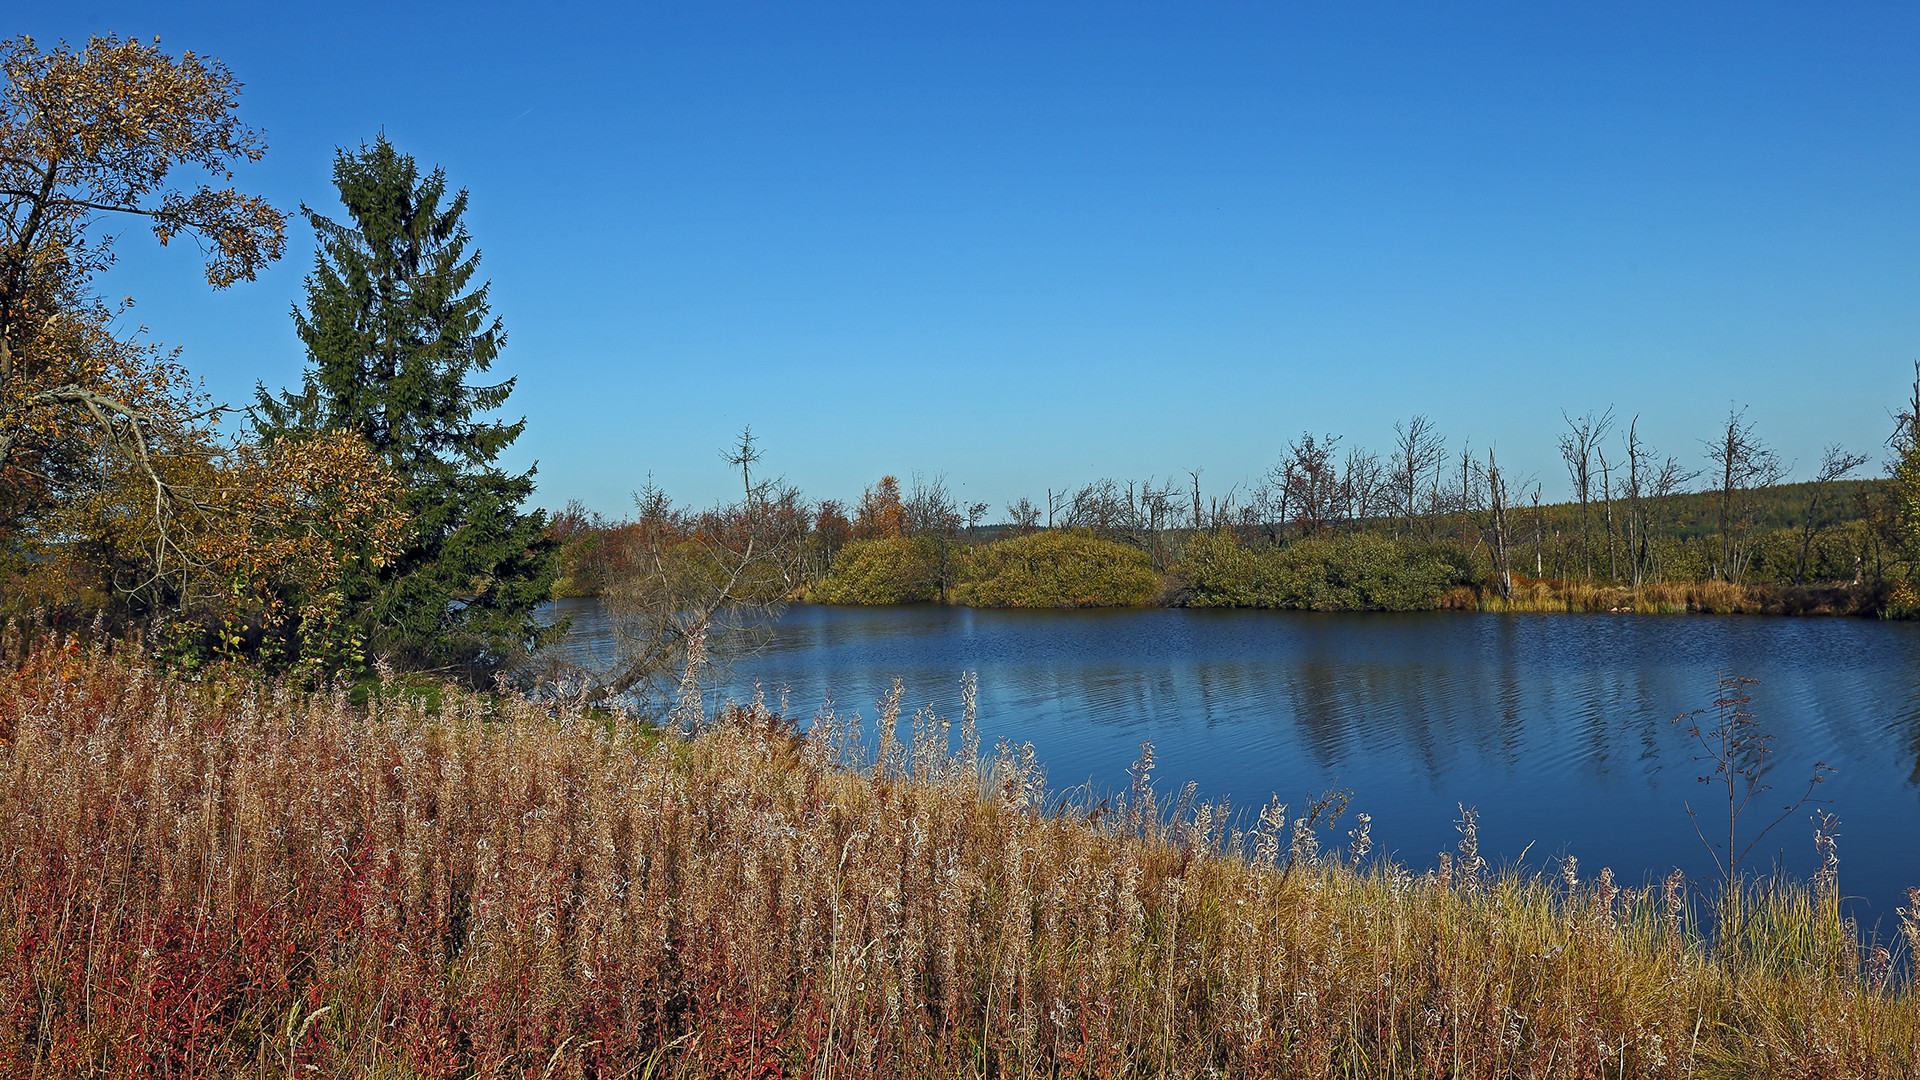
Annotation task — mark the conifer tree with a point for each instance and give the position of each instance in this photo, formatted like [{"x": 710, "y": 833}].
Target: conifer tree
[{"x": 394, "y": 329}]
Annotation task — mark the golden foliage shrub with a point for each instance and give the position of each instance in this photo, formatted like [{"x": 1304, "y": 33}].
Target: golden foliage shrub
[
  {"x": 894, "y": 570},
  {"x": 1057, "y": 569},
  {"x": 1337, "y": 572}
]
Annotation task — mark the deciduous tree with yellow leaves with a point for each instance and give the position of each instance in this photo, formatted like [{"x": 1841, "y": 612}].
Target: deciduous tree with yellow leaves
[{"x": 89, "y": 135}]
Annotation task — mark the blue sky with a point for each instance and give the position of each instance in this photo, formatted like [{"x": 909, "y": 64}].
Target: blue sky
[{"x": 1030, "y": 245}]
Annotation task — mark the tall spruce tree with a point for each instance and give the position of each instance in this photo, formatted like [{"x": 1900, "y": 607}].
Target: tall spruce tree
[{"x": 393, "y": 331}]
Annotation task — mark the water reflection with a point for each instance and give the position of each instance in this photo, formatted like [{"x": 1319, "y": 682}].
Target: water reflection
[{"x": 1558, "y": 728}]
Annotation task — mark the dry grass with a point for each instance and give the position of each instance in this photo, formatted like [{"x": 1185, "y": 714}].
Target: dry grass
[
  {"x": 226, "y": 878},
  {"x": 1678, "y": 598}
]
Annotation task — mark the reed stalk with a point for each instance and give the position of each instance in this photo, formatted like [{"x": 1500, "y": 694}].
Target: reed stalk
[{"x": 227, "y": 877}]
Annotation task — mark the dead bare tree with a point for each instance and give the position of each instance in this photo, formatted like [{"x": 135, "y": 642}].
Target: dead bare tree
[
  {"x": 1418, "y": 451},
  {"x": 934, "y": 516},
  {"x": 1159, "y": 505},
  {"x": 931, "y": 509},
  {"x": 1498, "y": 500},
  {"x": 1469, "y": 488},
  {"x": 975, "y": 512},
  {"x": 1577, "y": 446},
  {"x": 1639, "y": 465},
  {"x": 1132, "y": 514},
  {"x": 1539, "y": 536},
  {"x": 1606, "y": 504},
  {"x": 1100, "y": 508},
  {"x": 1835, "y": 463},
  {"x": 1906, "y": 422},
  {"x": 1271, "y": 501},
  {"x": 1880, "y": 505},
  {"x": 1649, "y": 482},
  {"x": 1362, "y": 485},
  {"x": 1226, "y": 512},
  {"x": 1023, "y": 515},
  {"x": 1742, "y": 463},
  {"x": 1669, "y": 478}
]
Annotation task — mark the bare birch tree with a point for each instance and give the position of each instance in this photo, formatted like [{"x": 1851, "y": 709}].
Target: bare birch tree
[
  {"x": 1469, "y": 493},
  {"x": 1499, "y": 501},
  {"x": 1638, "y": 542},
  {"x": 1606, "y": 505}
]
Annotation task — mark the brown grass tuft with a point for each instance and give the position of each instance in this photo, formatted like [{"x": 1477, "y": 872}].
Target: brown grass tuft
[{"x": 1678, "y": 598}]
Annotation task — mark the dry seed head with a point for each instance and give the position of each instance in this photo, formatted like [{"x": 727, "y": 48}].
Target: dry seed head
[
  {"x": 1471, "y": 864},
  {"x": 1910, "y": 929},
  {"x": 1825, "y": 841},
  {"x": 1605, "y": 892},
  {"x": 1273, "y": 822},
  {"x": 1304, "y": 850},
  {"x": 1362, "y": 836}
]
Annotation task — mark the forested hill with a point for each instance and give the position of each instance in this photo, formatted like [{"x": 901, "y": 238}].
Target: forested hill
[{"x": 1782, "y": 506}]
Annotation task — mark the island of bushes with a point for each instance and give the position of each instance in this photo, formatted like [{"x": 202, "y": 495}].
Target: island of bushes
[{"x": 1073, "y": 568}]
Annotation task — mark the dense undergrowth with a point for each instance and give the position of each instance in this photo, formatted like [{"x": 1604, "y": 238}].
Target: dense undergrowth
[
  {"x": 1055, "y": 568},
  {"x": 1353, "y": 572},
  {"x": 1334, "y": 571},
  {"x": 893, "y": 570},
  {"x": 227, "y": 877}
]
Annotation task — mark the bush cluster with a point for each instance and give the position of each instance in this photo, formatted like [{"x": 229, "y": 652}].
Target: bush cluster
[
  {"x": 1332, "y": 571},
  {"x": 1347, "y": 572},
  {"x": 1057, "y": 569},
  {"x": 894, "y": 570},
  {"x": 1053, "y": 569}
]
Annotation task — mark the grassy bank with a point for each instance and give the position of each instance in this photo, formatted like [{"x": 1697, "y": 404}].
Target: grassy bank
[
  {"x": 224, "y": 878},
  {"x": 1674, "y": 598}
]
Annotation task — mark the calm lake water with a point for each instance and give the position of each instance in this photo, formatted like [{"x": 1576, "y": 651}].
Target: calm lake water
[{"x": 1559, "y": 729}]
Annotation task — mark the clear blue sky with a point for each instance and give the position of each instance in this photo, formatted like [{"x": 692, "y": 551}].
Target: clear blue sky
[{"x": 1028, "y": 245}]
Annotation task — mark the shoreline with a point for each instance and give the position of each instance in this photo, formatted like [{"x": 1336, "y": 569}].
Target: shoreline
[{"x": 1536, "y": 598}]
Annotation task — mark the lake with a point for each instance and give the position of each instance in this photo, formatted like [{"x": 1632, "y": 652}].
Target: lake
[{"x": 1559, "y": 729}]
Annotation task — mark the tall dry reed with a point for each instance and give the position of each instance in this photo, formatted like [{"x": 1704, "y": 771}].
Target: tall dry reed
[
  {"x": 1682, "y": 597},
  {"x": 224, "y": 877}
]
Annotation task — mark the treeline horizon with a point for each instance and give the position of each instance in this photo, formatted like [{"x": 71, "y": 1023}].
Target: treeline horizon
[
  {"x": 1318, "y": 469},
  {"x": 1637, "y": 517}
]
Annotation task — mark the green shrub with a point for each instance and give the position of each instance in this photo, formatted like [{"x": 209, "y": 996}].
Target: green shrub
[
  {"x": 1056, "y": 569},
  {"x": 897, "y": 570},
  {"x": 1355, "y": 572}
]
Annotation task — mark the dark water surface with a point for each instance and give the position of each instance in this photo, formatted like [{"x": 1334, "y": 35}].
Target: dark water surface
[{"x": 1558, "y": 728}]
